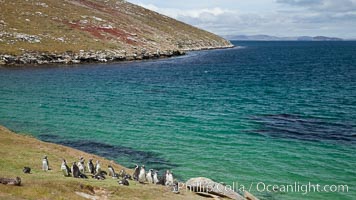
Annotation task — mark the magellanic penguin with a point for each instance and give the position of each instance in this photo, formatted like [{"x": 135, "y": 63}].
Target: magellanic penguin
[
  {"x": 81, "y": 165},
  {"x": 26, "y": 170},
  {"x": 65, "y": 169},
  {"x": 169, "y": 178},
  {"x": 155, "y": 177},
  {"x": 75, "y": 170},
  {"x": 142, "y": 175},
  {"x": 175, "y": 188},
  {"x": 97, "y": 167},
  {"x": 122, "y": 173},
  {"x": 164, "y": 178},
  {"x": 136, "y": 173},
  {"x": 91, "y": 167},
  {"x": 45, "y": 164},
  {"x": 112, "y": 172},
  {"x": 149, "y": 176},
  {"x": 124, "y": 181}
]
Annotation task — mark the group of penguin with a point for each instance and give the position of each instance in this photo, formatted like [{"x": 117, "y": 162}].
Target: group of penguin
[{"x": 78, "y": 170}]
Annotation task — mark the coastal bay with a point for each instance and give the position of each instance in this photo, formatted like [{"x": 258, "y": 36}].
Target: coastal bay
[{"x": 265, "y": 112}]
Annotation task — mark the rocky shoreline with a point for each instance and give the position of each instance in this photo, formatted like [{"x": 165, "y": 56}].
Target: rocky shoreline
[{"x": 36, "y": 58}]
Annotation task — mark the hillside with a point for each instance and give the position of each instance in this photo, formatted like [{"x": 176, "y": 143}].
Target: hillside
[
  {"x": 74, "y": 31},
  {"x": 18, "y": 151}
]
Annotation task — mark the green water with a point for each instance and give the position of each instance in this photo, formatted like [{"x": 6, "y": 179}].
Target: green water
[{"x": 271, "y": 112}]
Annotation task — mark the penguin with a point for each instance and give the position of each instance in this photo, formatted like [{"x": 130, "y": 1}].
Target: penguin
[
  {"x": 175, "y": 188},
  {"x": 75, "y": 170},
  {"x": 91, "y": 168},
  {"x": 45, "y": 165},
  {"x": 112, "y": 172},
  {"x": 100, "y": 175},
  {"x": 128, "y": 176},
  {"x": 149, "y": 176},
  {"x": 81, "y": 167},
  {"x": 65, "y": 169},
  {"x": 122, "y": 173},
  {"x": 162, "y": 180},
  {"x": 169, "y": 178},
  {"x": 82, "y": 164},
  {"x": 97, "y": 167},
  {"x": 124, "y": 181},
  {"x": 26, "y": 170},
  {"x": 142, "y": 175},
  {"x": 136, "y": 173},
  {"x": 155, "y": 177}
]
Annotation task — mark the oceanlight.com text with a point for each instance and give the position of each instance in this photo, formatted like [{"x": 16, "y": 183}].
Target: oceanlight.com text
[
  {"x": 296, "y": 187},
  {"x": 304, "y": 189}
]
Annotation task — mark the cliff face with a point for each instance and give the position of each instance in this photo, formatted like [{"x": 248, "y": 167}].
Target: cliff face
[{"x": 73, "y": 31}]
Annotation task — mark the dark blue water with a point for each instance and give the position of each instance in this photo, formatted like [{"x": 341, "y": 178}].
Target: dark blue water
[{"x": 272, "y": 112}]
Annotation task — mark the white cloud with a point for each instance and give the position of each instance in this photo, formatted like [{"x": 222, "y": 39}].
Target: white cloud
[
  {"x": 176, "y": 13},
  {"x": 323, "y": 5},
  {"x": 308, "y": 19}
]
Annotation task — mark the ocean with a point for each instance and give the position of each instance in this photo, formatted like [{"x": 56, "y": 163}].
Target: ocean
[{"x": 261, "y": 114}]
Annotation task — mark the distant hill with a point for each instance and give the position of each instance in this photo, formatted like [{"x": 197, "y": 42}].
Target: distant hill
[
  {"x": 92, "y": 30},
  {"x": 274, "y": 38}
]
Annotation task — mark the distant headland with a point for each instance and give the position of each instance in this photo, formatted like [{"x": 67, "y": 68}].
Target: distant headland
[{"x": 275, "y": 38}]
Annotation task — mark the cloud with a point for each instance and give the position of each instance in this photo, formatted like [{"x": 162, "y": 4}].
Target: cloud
[
  {"x": 323, "y": 5},
  {"x": 176, "y": 13},
  {"x": 309, "y": 19}
]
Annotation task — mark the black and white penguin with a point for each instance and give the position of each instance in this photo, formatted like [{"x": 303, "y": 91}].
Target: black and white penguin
[
  {"x": 45, "y": 164},
  {"x": 136, "y": 173},
  {"x": 124, "y": 181},
  {"x": 97, "y": 167},
  {"x": 128, "y": 176},
  {"x": 65, "y": 169},
  {"x": 91, "y": 167},
  {"x": 155, "y": 177},
  {"x": 100, "y": 176},
  {"x": 162, "y": 180},
  {"x": 169, "y": 178},
  {"x": 142, "y": 175},
  {"x": 149, "y": 176},
  {"x": 81, "y": 165},
  {"x": 26, "y": 170},
  {"x": 122, "y": 173},
  {"x": 75, "y": 170},
  {"x": 175, "y": 188},
  {"x": 112, "y": 172}
]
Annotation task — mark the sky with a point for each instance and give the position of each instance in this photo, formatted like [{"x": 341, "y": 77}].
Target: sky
[{"x": 333, "y": 18}]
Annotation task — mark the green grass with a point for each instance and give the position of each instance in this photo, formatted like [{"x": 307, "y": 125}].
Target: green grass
[{"x": 19, "y": 150}]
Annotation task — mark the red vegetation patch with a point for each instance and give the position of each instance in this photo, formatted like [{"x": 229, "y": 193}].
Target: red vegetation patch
[{"x": 103, "y": 32}]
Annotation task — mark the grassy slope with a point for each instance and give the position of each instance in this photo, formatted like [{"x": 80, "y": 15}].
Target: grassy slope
[
  {"x": 94, "y": 25},
  {"x": 18, "y": 151}
]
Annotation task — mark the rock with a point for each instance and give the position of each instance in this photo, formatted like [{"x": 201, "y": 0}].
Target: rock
[
  {"x": 27, "y": 37},
  {"x": 206, "y": 185},
  {"x": 75, "y": 61},
  {"x": 11, "y": 181}
]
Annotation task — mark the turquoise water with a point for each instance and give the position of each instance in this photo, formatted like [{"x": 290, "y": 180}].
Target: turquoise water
[{"x": 272, "y": 112}]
